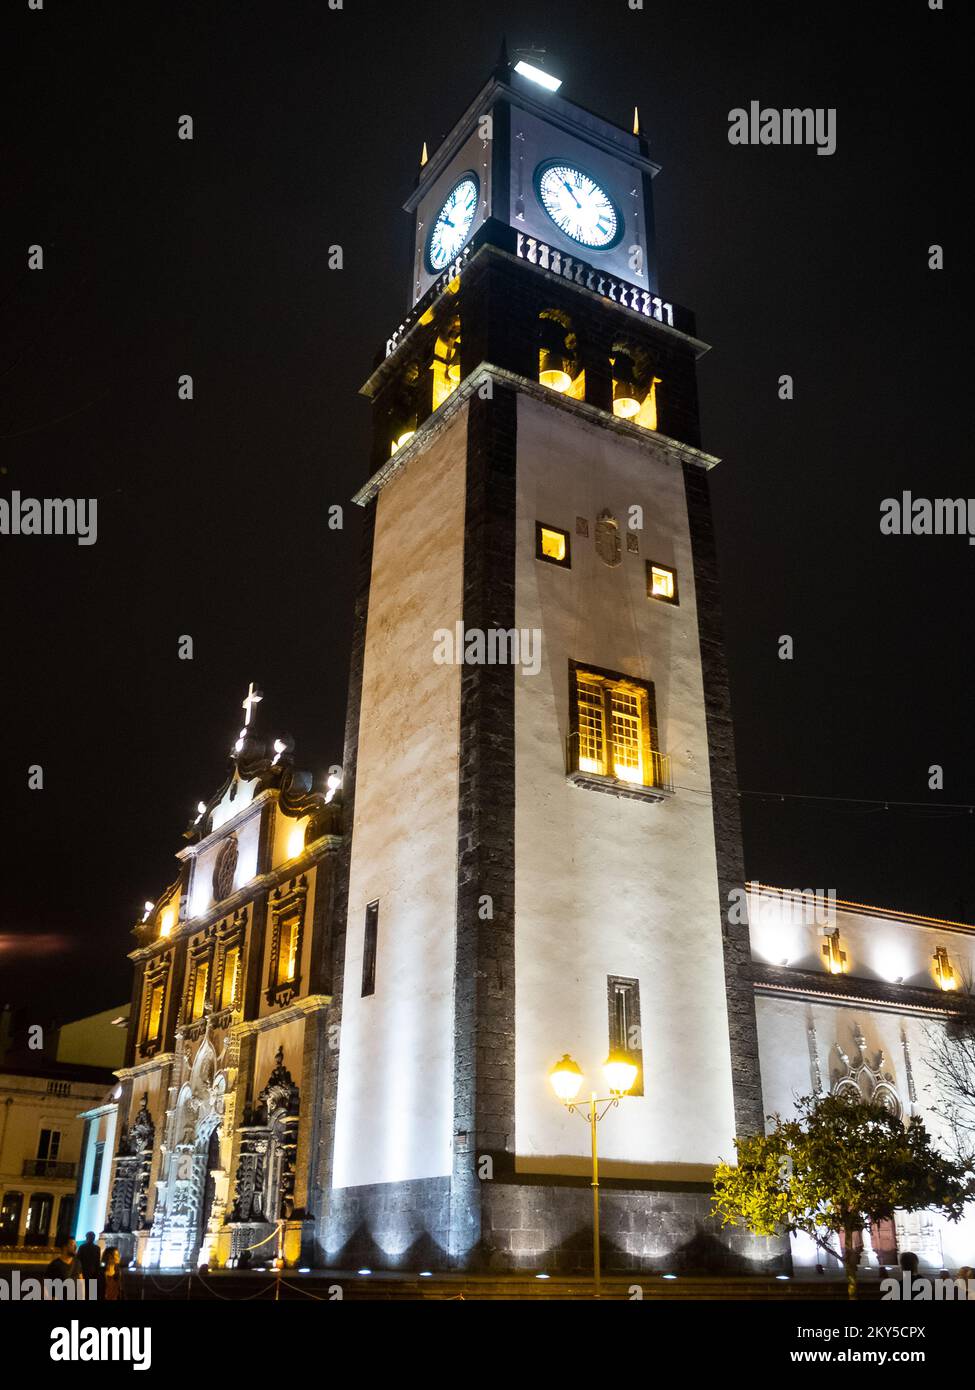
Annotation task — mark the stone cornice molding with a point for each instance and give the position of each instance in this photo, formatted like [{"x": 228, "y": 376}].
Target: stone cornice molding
[
  {"x": 659, "y": 445},
  {"x": 853, "y": 991},
  {"x": 156, "y": 1063},
  {"x": 298, "y": 1008},
  {"x": 311, "y": 855}
]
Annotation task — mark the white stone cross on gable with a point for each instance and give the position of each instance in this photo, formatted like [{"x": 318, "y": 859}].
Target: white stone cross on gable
[{"x": 254, "y": 697}]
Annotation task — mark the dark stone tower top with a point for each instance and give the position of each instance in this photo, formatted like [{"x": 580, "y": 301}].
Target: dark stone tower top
[{"x": 508, "y": 154}]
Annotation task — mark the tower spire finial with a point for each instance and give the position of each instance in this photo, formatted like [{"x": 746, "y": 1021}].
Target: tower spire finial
[
  {"x": 636, "y": 120},
  {"x": 423, "y": 155}
]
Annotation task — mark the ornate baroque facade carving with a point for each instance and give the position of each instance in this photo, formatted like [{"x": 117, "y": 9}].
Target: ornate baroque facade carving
[
  {"x": 130, "y": 1190},
  {"x": 265, "y": 1178}
]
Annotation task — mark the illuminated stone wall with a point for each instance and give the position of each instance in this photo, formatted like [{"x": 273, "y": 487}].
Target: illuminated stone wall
[
  {"x": 800, "y": 1044},
  {"x": 606, "y": 885},
  {"x": 395, "y": 1089},
  {"x": 873, "y": 1023}
]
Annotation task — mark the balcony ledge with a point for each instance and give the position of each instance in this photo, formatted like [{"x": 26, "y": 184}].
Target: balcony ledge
[{"x": 596, "y": 782}]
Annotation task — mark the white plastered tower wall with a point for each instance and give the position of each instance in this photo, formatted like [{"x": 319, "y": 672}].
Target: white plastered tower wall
[
  {"x": 606, "y": 885},
  {"x": 395, "y": 1091}
]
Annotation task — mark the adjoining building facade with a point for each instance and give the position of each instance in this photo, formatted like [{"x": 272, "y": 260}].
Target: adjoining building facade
[
  {"x": 343, "y": 1016},
  {"x": 849, "y": 1001},
  {"x": 48, "y": 1182}
]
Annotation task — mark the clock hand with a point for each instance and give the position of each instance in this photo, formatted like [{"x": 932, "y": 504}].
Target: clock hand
[{"x": 568, "y": 186}]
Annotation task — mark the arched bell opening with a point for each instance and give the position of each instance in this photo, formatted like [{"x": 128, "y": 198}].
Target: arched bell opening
[
  {"x": 635, "y": 385},
  {"x": 403, "y": 412},
  {"x": 559, "y": 365},
  {"x": 446, "y": 362}
]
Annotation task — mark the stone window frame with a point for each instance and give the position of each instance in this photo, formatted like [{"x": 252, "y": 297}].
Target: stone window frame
[
  {"x": 286, "y": 908},
  {"x": 231, "y": 933},
  {"x": 651, "y": 738},
  {"x": 566, "y": 563},
  {"x": 370, "y": 948},
  {"x": 97, "y": 1167},
  {"x": 629, "y": 986},
  {"x": 54, "y": 1134},
  {"x": 661, "y": 598},
  {"x": 201, "y": 953},
  {"x": 156, "y": 975}
]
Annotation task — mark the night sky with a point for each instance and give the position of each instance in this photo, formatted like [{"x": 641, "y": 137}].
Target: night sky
[{"x": 210, "y": 257}]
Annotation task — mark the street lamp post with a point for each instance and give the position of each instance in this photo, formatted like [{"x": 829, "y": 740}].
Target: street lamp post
[{"x": 566, "y": 1078}]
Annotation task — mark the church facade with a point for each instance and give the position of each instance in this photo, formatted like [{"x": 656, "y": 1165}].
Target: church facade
[
  {"x": 346, "y": 1007},
  {"x": 218, "y": 1105}
]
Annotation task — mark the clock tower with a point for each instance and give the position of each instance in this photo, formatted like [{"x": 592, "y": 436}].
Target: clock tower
[{"x": 543, "y": 835}]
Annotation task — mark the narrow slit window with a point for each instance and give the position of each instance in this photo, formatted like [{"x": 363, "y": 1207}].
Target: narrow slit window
[
  {"x": 154, "y": 1013},
  {"x": 625, "y": 1030},
  {"x": 96, "y": 1167},
  {"x": 201, "y": 982},
  {"x": 231, "y": 964},
  {"x": 369, "y": 950},
  {"x": 291, "y": 955},
  {"x": 289, "y": 931}
]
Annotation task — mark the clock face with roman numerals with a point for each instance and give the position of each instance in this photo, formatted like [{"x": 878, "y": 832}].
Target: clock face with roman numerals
[
  {"x": 453, "y": 222},
  {"x": 578, "y": 206}
]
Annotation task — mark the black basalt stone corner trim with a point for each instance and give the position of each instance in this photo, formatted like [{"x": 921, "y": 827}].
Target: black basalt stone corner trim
[
  {"x": 742, "y": 1027},
  {"x": 484, "y": 1003},
  {"x": 321, "y": 1172}
]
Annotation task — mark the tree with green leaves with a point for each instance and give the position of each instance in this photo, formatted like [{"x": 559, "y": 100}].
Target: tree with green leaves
[{"x": 832, "y": 1170}]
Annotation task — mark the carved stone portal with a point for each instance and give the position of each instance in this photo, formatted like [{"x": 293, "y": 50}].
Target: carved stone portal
[
  {"x": 859, "y": 1080},
  {"x": 128, "y": 1205},
  {"x": 191, "y": 1204},
  {"x": 265, "y": 1180}
]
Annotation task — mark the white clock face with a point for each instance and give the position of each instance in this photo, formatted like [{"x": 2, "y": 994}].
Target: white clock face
[
  {"x": 578, "y": 206},
  {"x": 453, "y": 224}
]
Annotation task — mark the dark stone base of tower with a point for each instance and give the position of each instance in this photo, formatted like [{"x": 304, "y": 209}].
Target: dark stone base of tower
[{"x": 540, "y": 1226}]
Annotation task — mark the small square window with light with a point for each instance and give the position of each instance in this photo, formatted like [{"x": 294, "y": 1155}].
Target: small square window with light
[
  {"x": 552, "y": 545},
  {"x": 662, "y": 583}
]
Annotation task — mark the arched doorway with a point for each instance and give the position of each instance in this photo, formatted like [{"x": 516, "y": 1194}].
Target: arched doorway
[
  {"x": 209, "y": 1186},
  {"x": 65, "y": 1218},
  {"x": 10, "y": 1210},
  {"x": 39, "y": 1214}
]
